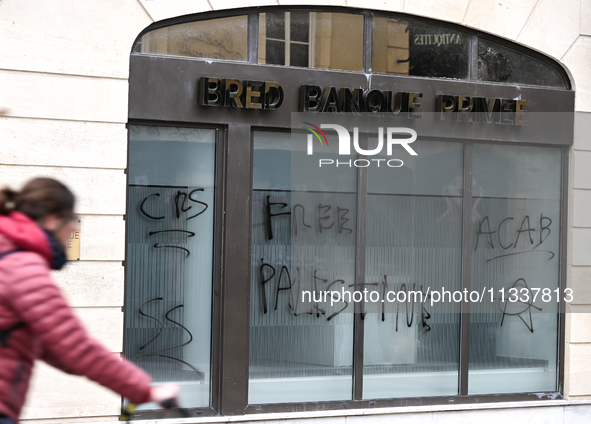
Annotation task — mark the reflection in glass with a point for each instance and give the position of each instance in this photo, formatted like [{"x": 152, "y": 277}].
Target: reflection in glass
[
  {"x": 300, "y": 26},
  {"x": 414, "y": 243},
  {"x": 223, "y": 39},
  {"x": 276, "y": 49},
  {"x": 501, "y": 64},
  {"x": 515, "y": 245},
  {"x": 275, "y": 24},
  {"x": 300, "y": 349},
  {"x": 170, "y": 222},
  {"x": 412, "y": 48},
  {"x": 299, "y": 55},
  {"x": 312, "y": 40}
]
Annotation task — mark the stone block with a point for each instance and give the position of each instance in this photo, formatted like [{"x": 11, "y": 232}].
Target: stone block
[
  {"x": 546, "y": 415},
  {"x": 505, "y": 18},
  {"x": 577, "y": 414},
  {"x": 577, "y": 60},
  {"x": 581, "y": 246},
  {"x": 581, "y": 208},
  {"x": 582, "y": 139},
  {"x": 578, "y": 372},
  {"x": 390, "y": 5},
  {"x": 582, "y": 170},
  {"x": 104, "y": 324},
  {"x": 93, "y": 37},
  {"x": 63, "y": 143},
  {"x": 233, "y": 4},
  {"x": 307, "y": 2},
  {"x": 580, "y": 324},
  {"x": 102, "y": 238},
  {"x": 580, "y": 282},
  {"x": 92, "y": 284},
  {"x": 411, "y": 418},
  {"x": 164, "y": 9},
  {"x": 65, "y": 97},
  {"x": 445, "y": 10},
  {"x": 553, "y": 27},
  {"x": 97, "y": 191},
  {"x": 585, "y": 17},
  {"x": 54, "y": 394}
]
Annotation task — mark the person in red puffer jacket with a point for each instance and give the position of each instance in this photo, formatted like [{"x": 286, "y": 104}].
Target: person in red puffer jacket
[{"x": 36, "y": 321}]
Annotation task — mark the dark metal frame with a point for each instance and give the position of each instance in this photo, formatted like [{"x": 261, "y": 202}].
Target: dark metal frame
[{"x": 232, "y": 276}]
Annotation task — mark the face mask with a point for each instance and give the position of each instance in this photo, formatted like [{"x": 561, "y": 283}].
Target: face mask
[{"x": 58, "y": 255}]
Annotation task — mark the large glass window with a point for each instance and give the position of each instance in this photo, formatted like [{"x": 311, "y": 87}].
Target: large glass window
[
  {"x": 414, "y": 243},
  {"x": 303, "y": 240},
  {"x": 515, "y": 254},
  {"x": 170, "y": 222}
]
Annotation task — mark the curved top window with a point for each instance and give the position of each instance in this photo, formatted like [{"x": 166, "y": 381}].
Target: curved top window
[
  {"x": 223, "y": 39},
  {"x": 501, "y": 64},
  {"x": 357, "y": 41}
]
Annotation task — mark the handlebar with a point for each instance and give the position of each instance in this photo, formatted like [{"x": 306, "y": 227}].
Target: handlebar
[{"x": 129, "y": 409}]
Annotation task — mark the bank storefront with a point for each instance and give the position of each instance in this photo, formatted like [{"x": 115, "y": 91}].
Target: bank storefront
[{"x": 334, "y": 209}]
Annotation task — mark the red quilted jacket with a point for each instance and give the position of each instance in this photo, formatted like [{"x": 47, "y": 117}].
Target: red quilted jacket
[{"x": 37, "y": 323}]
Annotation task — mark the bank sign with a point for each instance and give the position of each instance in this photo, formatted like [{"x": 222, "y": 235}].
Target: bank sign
[{"x": 269, "y": 95}]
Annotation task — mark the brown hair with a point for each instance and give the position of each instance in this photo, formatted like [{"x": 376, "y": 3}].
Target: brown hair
[{"x": 39, "y": 198}]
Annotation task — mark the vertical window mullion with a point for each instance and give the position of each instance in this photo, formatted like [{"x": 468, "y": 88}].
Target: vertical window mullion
[
  {"x": 473, "y": 58},
  {"x": 563, "y": 267},
  {"x": 235, "y": 310},
  {"x": 466, "y": 269},
  {"x": 360, "y": 275},
  {"x": 311, "y": 41},
  {"x": 252, "y": 46},
  {"x": 287, "y": 38},
  {"x": 367, "y": 42}
]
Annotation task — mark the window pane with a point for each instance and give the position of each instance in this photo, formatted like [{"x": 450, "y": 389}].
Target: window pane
[
  {"x": 223, "y": 38},
  {"x": 301, "y": 241},
  {"x": 275, "y": 52},
  {"x": 275, "y": 24},
  {"x": 414, "y": 243},
  {"x": 298, "y": 54},
  {"x": 300, "y": 26},
  {"x": 169, "y": 262},
  {"x": 330, "y": 34},
  {"x": 515, "y": 233},
  {"x": 412, "y": 48},
  {"x": 501, "y": 64}
]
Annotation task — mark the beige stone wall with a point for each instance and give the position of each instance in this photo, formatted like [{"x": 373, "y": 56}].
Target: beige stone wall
[{"x": 63, "y": 76}]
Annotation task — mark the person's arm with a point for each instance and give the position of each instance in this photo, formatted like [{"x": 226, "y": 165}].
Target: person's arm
[
  {"x": 55, "y": 362},
  {"x": 41, "y": 305}
]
